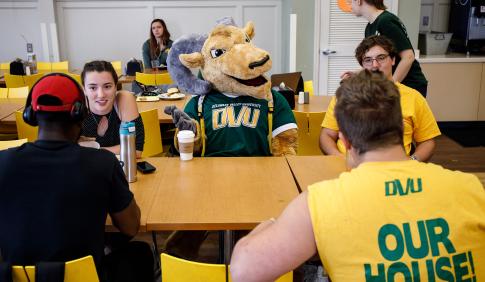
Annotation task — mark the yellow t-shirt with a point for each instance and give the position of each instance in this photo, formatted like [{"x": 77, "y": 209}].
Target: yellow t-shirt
[
  {"x": 390, "y": 220},
  {"x": 419, "y": 122}
]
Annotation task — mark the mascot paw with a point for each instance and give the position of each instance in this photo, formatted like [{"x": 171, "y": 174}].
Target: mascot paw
[{"x": 181, "y": 120}]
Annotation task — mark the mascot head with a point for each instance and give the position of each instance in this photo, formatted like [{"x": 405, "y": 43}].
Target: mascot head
[{"x": 227, "y": 59}]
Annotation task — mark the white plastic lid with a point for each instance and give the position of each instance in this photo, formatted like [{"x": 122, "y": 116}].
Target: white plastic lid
[{"x": 186, "y": 134}]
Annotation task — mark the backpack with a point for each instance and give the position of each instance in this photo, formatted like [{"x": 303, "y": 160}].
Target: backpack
[
  {"x": 133, "y": 66},
  {"x": 17, "y": 67}
]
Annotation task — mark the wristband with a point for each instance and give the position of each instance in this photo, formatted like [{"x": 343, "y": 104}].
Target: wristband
[{"x": 414, "y": 158}]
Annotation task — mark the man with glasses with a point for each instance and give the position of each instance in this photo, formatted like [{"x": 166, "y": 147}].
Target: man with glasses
[{"x": 376, "y": 53}]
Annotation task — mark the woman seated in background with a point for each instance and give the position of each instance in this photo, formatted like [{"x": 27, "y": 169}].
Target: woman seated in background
[
  {"x": 155, "y": 49},
  {"x": 108, "y": 107}
]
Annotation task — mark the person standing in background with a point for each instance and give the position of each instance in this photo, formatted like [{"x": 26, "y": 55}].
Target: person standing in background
[
  {"x": 381, "y": 22},
  {"x": 156, "y": 48}
]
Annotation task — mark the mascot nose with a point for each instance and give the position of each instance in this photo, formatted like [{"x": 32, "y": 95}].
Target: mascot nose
[{"x": 259, "y": 63}]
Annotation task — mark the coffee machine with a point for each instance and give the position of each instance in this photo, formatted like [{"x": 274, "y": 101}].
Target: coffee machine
[{"x": 467, "y": 23}]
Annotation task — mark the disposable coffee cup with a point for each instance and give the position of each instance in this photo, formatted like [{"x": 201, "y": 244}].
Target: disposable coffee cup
[
  {"x": 301, "y": 98},
  {"x": 186, "y": 144}
]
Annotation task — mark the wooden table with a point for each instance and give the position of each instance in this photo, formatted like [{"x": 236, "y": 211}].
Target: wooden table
[
  {"x": 143, "y": 189},
  {"x": 160, "y": 105},
  {"x": 311, "y": 169},
  {"x": 8, "y": 107},
  {"x": 219, "y": 193},
  {"x": 317, "y": 104}
]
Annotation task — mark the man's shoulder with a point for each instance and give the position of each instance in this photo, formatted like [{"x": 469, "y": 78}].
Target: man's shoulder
[
  {"x": 98, "y": 156},
  {"x": 406, "y": 91},
  {"x": 388, "y": 16}
]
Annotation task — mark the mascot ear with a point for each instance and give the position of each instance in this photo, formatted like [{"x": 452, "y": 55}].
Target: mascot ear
[
  {"x": 193, "y": 60},
  {"x": 249, "y": 29}
]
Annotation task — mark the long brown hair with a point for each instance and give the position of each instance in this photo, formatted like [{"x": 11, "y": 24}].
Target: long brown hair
[{"x": 154, "y": 47}]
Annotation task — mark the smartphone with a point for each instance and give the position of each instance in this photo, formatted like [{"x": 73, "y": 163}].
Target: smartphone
[{"x": 145, "y": 167}]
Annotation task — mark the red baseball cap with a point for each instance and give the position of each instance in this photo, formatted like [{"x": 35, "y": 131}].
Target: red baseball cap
[{"x": 59, "y": 86}]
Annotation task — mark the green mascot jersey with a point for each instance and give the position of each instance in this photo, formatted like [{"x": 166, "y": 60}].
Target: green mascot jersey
[{"x": 238, "y": 125}]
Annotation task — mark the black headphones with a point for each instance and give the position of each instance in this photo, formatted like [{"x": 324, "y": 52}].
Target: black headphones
[{"x": 78, "y": 111}]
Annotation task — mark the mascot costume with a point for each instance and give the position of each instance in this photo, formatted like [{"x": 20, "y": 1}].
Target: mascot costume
[{"x": 234, "y": 111}]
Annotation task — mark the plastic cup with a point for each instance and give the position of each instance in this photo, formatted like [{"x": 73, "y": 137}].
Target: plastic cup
[
  {"x": 154, "y": 64},
  {"x": 186, "y": 144}
]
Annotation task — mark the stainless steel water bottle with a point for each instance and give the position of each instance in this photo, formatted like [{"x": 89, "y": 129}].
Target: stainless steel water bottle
[{"x": 128, "y": 150}]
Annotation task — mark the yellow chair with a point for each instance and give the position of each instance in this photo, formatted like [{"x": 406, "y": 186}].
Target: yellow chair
[
  {"x": 60, "y": 66},
  {"x": 163, "y": 78},
  {"x": 308, "y": 87},
  {"x": 44, "y": 67},
  {"x": 153, "y": 137},
  {"x": 77, "y": 77},
  {"x": 3, "y": 93},
  {"x": 116, "y": 65},
  {"x": 19, "y": 92},
  {"x": 24, "y": 130},
  {"x": 13, "y": 81},
  {"x": 30, "y": 80},
  {"x": 5, "y": 66},
  {"x": 79, "y": 270},
  {"x": 309, "y": 127},
  {"x": 179, "y": 270},
  {"x": 146, "y": 78},
  {"x": 11, "y": 143}
]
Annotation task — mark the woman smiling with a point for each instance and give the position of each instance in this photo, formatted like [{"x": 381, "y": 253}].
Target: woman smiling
[{"x": 108, "y": 107}]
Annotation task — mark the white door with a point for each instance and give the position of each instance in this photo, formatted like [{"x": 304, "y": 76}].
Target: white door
[{"x": 337, "y": 34}]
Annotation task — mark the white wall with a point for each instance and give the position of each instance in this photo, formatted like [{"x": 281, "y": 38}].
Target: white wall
[
  {"x": 16, "y": 19},
  {"x": 116, "y": 30}
]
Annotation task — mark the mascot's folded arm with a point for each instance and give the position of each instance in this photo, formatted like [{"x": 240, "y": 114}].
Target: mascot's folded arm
[{"x": 229, "y": 63}]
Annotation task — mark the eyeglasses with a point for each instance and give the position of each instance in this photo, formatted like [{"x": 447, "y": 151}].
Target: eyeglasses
[{"x": 367, "y": 61}]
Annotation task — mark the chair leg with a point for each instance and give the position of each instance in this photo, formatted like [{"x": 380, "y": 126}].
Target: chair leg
[{"x": 158, "y": 265}]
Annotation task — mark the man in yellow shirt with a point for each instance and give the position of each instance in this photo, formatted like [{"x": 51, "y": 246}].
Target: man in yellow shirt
[
  {"x": 388, "y": 219},
  {"x": 376, "y": 53}
]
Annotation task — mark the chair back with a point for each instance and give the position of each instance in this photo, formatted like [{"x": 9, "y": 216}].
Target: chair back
[
  {"x": 11, "y": 143},
  {"x": 79, "y": 270},
  {"x": 178, "y": 270},
  {"x": 19, "y": 92},
  {"x": 163, "y": 78},
  {"x": 13, "y": 81},
  {"x": 308, "y": 87},
  {"x": 77, "y": 77},
  {"x": 309, "y": 127},
  {"x": 5, "y": 66},
  {"x": 60, "y": 66},
  {"x": 30, "y": 80},
  {"x": 116, "y": 65},
  {"x": 25, "y": 130},
  {"x": 153, "y": 137},
  {"x": 3, "y": 93},
  {"x": 44, "y": 67},
  {"x": 146, "y": 78}
]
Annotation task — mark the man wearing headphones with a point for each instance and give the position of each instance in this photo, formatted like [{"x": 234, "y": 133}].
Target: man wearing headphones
[{"x": 55, "y": 195}]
